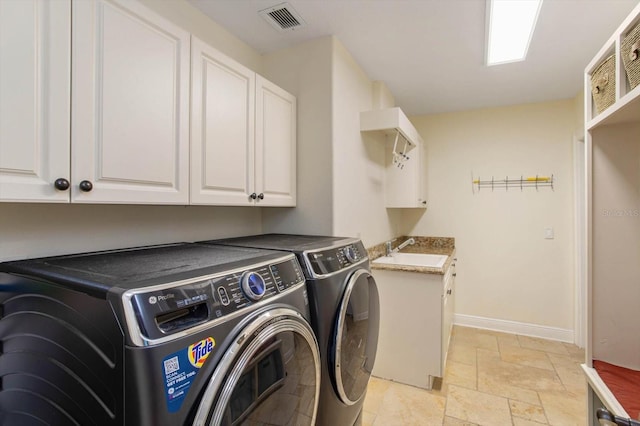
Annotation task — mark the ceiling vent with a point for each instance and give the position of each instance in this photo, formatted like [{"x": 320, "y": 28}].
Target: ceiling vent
[{"x": 283, "y": 17}]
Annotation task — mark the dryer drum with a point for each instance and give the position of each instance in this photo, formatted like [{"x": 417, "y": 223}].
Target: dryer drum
[
  {"x": 356, "y": 336},
  {"x": 280, "y": 361}
]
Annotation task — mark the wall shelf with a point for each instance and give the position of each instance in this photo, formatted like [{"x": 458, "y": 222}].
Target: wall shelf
[{"x": 391, "y": 121}]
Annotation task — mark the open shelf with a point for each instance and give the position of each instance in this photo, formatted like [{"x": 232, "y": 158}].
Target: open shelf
[
  {"x": 626, "y": 107},
  {"x": 626, "y": 110}
]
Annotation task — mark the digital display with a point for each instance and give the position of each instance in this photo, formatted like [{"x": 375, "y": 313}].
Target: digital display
[{"x": 286, "y": 274}]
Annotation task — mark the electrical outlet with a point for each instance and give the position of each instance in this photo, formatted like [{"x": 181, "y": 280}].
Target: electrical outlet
[{"x": 548, "y": 233}]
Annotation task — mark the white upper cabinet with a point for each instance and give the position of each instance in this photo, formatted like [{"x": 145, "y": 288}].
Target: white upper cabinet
[
  {"x": 405, "y": 184},
  {"x": 130, "y": 105},
  {"x": 275, "y": 181},
  {"x": 34, "y": 100},
  {"x": 95, "y": 108},
  {"x": 222, "y": 128},
  {"x": 243, "y": 134}
]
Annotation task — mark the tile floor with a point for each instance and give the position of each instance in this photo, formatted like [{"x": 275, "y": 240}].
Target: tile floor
[{"x": 491, "y": 379}]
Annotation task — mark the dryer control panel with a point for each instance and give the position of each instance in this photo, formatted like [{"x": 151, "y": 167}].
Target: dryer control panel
[
  {"x": 334, "y": 259},
  {"x": 175, "y": 308}
]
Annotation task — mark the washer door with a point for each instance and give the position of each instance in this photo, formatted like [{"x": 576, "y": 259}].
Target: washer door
[
  {"x": 269, "y": 375},
  {"x": 356, "y": 336}
]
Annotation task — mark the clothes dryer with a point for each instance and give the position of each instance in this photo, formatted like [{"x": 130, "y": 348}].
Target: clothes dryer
[
  {"x": 180, "y": 334},
  {"x": 344, "y": 315}
]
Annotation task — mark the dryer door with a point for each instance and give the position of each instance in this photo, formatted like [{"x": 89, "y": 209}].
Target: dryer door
[
  {"x": 356, "y": 336},
  {"x": 269, "y": 375}
]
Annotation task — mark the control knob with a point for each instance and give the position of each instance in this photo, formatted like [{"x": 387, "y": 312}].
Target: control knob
[
  {"x": 350, "y": 254},
  {"x": 253, "y": 285}
]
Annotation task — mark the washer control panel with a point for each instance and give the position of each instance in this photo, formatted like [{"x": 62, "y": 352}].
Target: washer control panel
[
  {"x": 174, "y": 309},
  {"x": 335, "y": 259}
]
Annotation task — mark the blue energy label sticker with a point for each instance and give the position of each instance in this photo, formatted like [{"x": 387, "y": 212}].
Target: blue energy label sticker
[{"x": 180, "y": 369}]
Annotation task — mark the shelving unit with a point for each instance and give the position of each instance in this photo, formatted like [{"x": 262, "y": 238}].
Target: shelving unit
[{"x": 613, "y": 228}]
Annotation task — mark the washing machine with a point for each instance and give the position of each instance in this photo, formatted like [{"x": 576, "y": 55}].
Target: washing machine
[
  {"x": 345, "y": 315},
  {"x": 179, "y": 334}
]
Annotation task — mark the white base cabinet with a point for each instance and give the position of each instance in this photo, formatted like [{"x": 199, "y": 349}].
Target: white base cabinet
[
  {"x": 243, "y": 135},
  {"x": 416, "y": 318}
]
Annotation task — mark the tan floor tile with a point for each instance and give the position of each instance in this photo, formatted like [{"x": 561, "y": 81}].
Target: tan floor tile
[
  {"x": 404, "y": 405},
  {"x": 475, "y": 338},
  {"x": 564, "y": 408},
  {"x": 464, "y": 354},
  {"x": 520, "y": 376},
  {"x": 575, "y": 352},
  {"x": 368, "y": 418},
  {"x": 461, "y": 374},
  {"x": 566, "y": 362},
  {"x": 526, "y": 411},
  {"x": 569, "y": 371},
  {"x": 452, "y": 421},
  {"x": 522, "y": 422},
  {"x": 524, "y": 356},
  {"x": 505, "y": 339},
  {"x": 572, "y": 381},
  {"x": 496, "y": 384},
  {"x": 375, "y": 393},
  {"x": 515, "y": 385},
  {"x": 536, "y": 343},
  {"x": 477, "y": 407},
  {"x": 496, "y": 387}
]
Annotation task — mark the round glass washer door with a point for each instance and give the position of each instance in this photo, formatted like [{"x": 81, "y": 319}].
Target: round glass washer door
[
  {"x": 269, "y": 375},
  {"x": 356, "y": 336}
]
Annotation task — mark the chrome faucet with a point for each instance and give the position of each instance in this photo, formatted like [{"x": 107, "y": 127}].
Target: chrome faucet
[{"x": 389, "y": 249}]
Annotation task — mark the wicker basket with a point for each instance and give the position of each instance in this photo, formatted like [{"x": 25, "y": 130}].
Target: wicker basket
[
  {"x": 603, "y": 84},
  {"x": 630, "y": 50}
]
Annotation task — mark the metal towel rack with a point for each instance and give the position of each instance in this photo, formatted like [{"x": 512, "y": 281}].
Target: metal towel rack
[{"x": 506, "y": 183}]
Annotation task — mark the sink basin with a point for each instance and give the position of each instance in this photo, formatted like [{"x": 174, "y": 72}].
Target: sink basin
[{"x": 414, "y": 259}]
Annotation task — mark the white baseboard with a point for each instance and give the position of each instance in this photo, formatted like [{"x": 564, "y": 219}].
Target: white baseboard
[{"x": 514, "y": 327}]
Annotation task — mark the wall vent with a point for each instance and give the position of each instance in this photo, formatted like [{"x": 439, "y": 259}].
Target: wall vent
[{"x": 283, "y": 17}]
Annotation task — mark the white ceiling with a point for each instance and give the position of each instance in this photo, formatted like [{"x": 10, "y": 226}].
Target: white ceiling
[{"x": 430, "y": 53}]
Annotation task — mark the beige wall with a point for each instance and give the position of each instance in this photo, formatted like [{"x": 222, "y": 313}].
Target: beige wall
[
  {"x": 506, "y": 269},
  {"x": 358, "y": 163},
  {"x": 340, "y": 171},
  {"x": 305, "y": 71}
]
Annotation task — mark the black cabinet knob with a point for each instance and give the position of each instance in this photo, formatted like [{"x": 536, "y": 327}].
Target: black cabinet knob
[
  {"x": 253, "y": 196},
  {"x": 85, "y": 186},
  {"x": 261, "y": 196},
  {"x": 61, "y": 184}
]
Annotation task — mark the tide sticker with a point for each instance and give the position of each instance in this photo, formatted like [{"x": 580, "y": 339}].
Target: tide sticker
[
  {"x": 179, "y": 371},
  {"x": 198, "y": 352}
]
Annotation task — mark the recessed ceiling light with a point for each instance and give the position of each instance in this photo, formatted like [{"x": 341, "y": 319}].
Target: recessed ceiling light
[{"x": 511, "y": 24}]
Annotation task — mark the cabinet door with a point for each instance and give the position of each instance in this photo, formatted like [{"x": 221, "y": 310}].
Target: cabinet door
[
  {"x": 447, "y": 314},
  {"x": 275, "y": 145},
  {"x": 34, "y": 99},
  {"x": 222, "y": 128},
  {"x": 405, "y": 186},
  {"x": 130, "y": 105}
]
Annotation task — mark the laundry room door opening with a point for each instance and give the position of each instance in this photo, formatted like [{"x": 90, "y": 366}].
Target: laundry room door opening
[
  {"x": 269, "y": 375},
  {"x": 356, "y": 336}
]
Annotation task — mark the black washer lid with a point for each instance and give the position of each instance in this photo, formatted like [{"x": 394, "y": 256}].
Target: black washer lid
[
  {"x": 287, "y": 242},
  {"x": 99, "y": 272}
]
